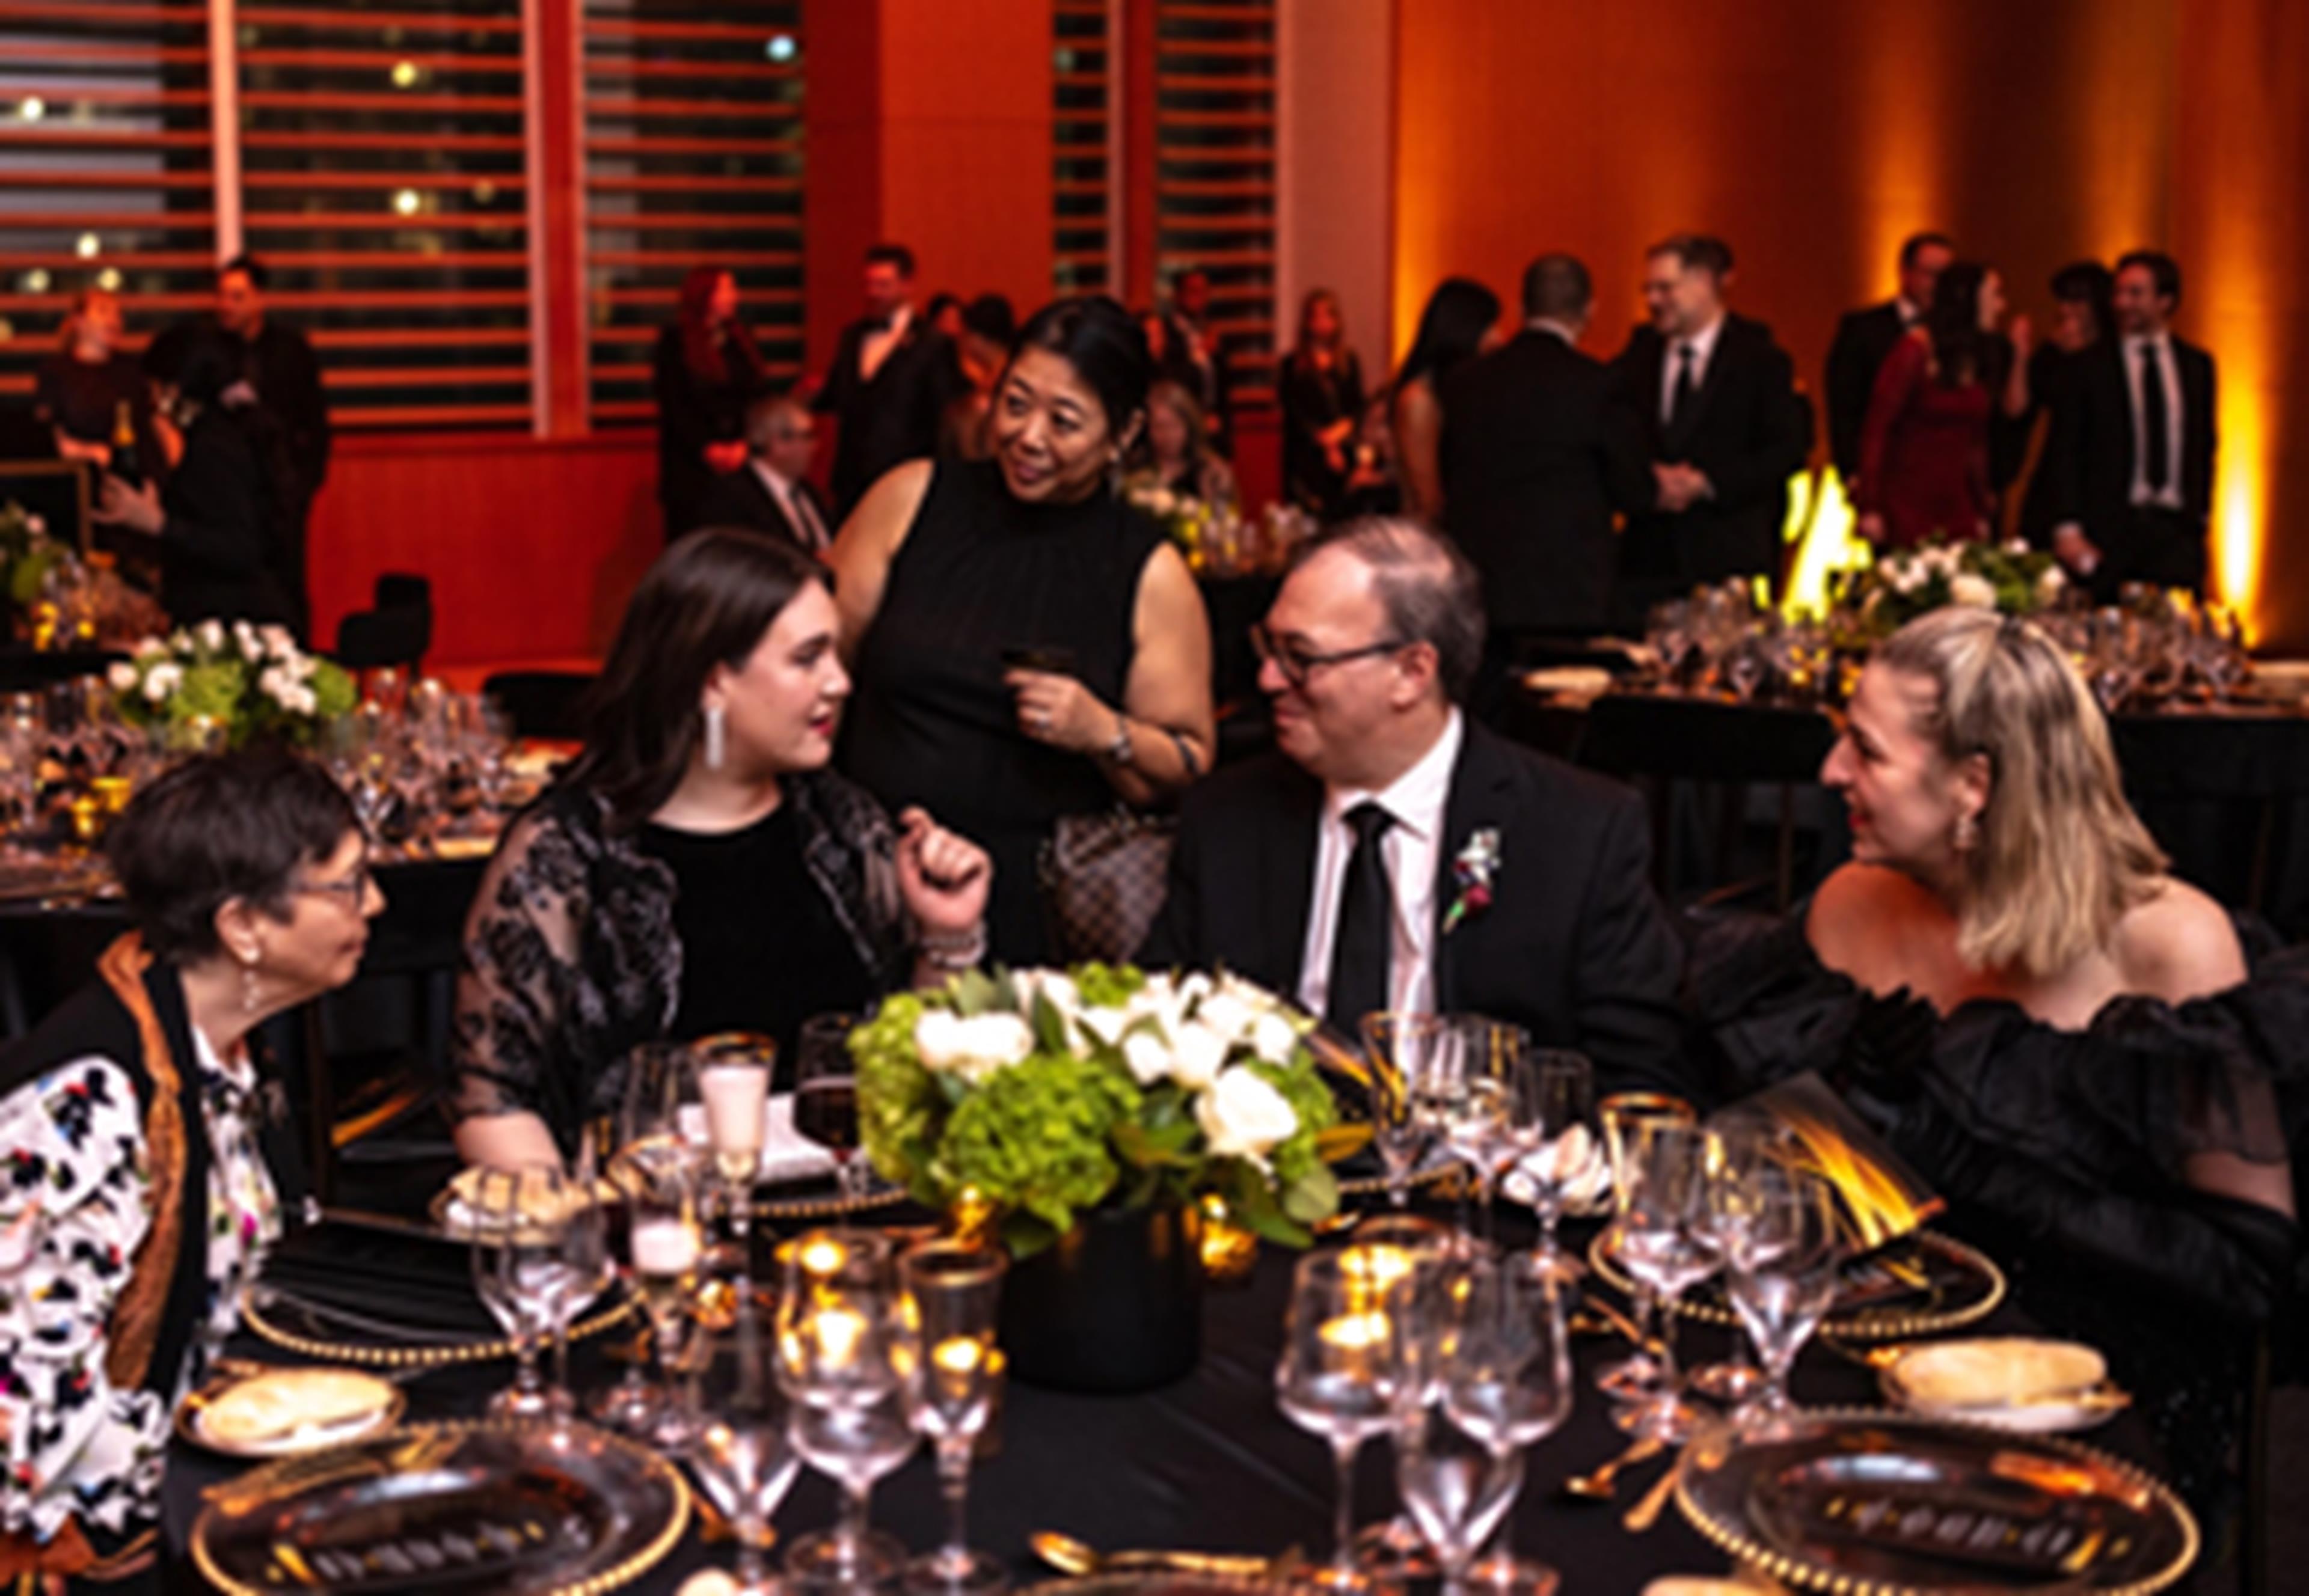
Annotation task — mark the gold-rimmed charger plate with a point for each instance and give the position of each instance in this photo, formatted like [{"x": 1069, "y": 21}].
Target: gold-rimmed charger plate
[
  {"x": 1859, "y": 1502},
  {"x": 456, "y": 1509},
  {"x": 431, "y": 1351},
  {"x": 1963, "y": 1287}
]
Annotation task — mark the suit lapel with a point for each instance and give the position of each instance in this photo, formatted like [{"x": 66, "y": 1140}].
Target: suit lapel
[
  {"x": 1481, "y": 781},
  {"x": 1288, "y": 881},
  {"x": 1725, "y": 351}
]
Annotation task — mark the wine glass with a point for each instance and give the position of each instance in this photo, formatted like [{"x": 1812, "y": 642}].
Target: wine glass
[
  {"x": 1457, "y": 1486},
  {"x": 1783, "y": 1268},
  {"x": 825, "y": 1097},
  {"x": 1341, "y": 1369},
  {"x": 1665, "y": 1243},
  {"x": 1497, "y": 1120},
  {"x": 586, "y": 1269},
  {"x": 518, "y": 1270},
  {"x": 957, "y": 1292},
  {"x": 662, "y": 1243},
  {"x": 1398, "y": 1048},
  {"x": 1565, "y": 1150},
  {"x": 741, "y": 1446},
  {"x": 734, "y": 1071},
  {"x": 1507, "y": 1374},
  {"x": 1627, "y": 1117},
  {"x": 1739, "y": 1152}
]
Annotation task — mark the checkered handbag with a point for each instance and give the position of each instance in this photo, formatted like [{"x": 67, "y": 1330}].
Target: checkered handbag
[{"x": 1103, "y": 879}]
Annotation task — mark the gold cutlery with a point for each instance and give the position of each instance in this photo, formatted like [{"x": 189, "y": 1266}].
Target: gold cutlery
[
  {"x": 1079, "y": 1560},
  {"x": 1601, "y": 1484},
  {"x": 1646, "y": 1511}
]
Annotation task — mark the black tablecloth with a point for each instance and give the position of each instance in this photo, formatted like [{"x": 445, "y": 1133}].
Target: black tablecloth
[{"x": 1206, "y": 1463}]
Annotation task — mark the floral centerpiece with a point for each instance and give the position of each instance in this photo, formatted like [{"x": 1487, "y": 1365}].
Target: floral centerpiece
[
  {"x": 2011, "y": 578},
  {"x": 1185, "y": 519},
  {"x": 249, "y": 682},
  {"x": 27, "y": 554},
  {"x": 1048, "y": 1093}
]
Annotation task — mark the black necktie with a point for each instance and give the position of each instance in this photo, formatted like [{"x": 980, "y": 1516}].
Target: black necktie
[
  {"x": 1359, "y": 954},
  {"x": 1680, "y": 403},
  {"x": 2153, "y": 413}
]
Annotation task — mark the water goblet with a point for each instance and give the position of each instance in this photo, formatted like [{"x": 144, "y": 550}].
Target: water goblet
[
  {"x": 1500, "y": 1111},
  {"x": 1507, "y": 1376},
  {"x": 1566, "y": 1154},
  {"x": 1663, "y": 1241},
  {"x": 1626, "y": 1118},
  {"x": 1340, "y": 1372},
  {"x": 1398, "y": 1049},
  {"x": 1740, "y": 1151},
  {"x": 957, "y": 1292},
  {"x": 516, "y": 1218},
  {"x": 1456, "y": 1487},
  {"x": 1783, "y": 1270},
  {"x": 741, "y": 1426}
]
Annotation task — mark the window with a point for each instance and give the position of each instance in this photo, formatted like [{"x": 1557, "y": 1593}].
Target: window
[
  {"x": 1082, "y": 197},
  {"x": 1214, "y": 172},
  {"x": 692, "y": 116}
]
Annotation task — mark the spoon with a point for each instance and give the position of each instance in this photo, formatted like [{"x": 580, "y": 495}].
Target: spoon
[
  {"x": 1600, "y": 1485},
  {"x": 1080, "y": 1560}
]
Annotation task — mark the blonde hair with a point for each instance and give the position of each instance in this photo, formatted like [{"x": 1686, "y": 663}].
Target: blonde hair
[{"x": 2061, "y": 856}]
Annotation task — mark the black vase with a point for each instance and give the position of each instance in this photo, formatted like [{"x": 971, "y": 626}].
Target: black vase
[{"x": 1114, "y": 1304}]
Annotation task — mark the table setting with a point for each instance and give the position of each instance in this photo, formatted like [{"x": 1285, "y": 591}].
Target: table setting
[{"x": 1417, "y": 1315}]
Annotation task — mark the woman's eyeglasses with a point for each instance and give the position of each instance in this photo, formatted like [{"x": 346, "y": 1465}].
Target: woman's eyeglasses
[
  {"x": 1298, "y": 662},
  {"x": 351, "y": 890}
]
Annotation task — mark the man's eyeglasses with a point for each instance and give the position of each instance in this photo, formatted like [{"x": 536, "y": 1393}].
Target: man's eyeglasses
[
  {"x": 351, "y": 890},
  {"x": 1298, "y": 662}
]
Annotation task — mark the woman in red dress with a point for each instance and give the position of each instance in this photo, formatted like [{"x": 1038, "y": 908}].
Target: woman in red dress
[{"x": 1924, "y": 452}]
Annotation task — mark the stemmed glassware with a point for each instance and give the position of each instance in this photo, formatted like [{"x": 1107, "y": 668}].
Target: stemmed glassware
[
  {"x": 1399, "y": 1050},
  {"x": 1565, "y": 1150},
  {"x": 1343, "y": 1367},
  {"x": 586, "y": 1268},
  {"x": 658, "y": 1172},
  {"x": 825, "y": 1097},
  {"x": 734, "y": 1071},
  {"x": 1457, "y": 1475},
  {"x": 742, "y": 1448},
  {"x": 1505, "y": 1373},
  {"x": 1783, "y": 1268},
  {"x": 519, "y": 1270},
  {"x": 957, "y": 1292},
  {"x": 1665, "y": 1243},
  {"x": 1495, "y": 1118},
  {"x": 1627, "y": 1117},
  {"x": 1738, "y": 1152}
]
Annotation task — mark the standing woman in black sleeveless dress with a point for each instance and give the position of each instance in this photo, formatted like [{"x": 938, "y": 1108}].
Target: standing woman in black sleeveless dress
[{"x": 1027, "y": 646}]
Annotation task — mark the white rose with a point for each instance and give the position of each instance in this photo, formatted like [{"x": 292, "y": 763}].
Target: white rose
[
  {"x": 38, "y": 525},
  {"x": 150, "y": 647},
  {"x": 1242, "y": 1116},
  {"x": 300, "y": 701},
  {"x": 1107, "y": 1024},
  {"x": 2049, "y": 585},
  {"x": 1907, "y": 575},
  {"x": 122, "y": 676},
  {"x": 1148, "y": 1056},
  {"x": 1944, "y": 559},
  {"x": 1274, "y": 1038},
  {"x": 277, "y": 642},
  {"x": 1227, "y": 1015},
  {"x": 272, "y": 681},
  {"x": 243, "y": 637},
  {"x": 1976, "y": 592},
  {"x": 972, "y": 1049},
  {"x": 1198, "y": 1057},
  {"x": 161, "y": 680},
  {"x": 211, "y": 634}
]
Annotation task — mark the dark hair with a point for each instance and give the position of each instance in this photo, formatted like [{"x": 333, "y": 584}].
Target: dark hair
[
  {"x": 1458, "y": 313},
  {"x": 940, "y": 302},
  {"x": 1556, "y": 286},
  {"x": 706, "y": 349},
  {"x": 1307, "y": 313},
  {"x": 220, "y": 827},
  {"x": 990, "y": 317},
  {"x": 707, "y": 601},
  {"x": 249, "y": 266},
  {"x": 2091, "y": 284},
  {"x": 1429, "y": 589},
  {"x": 892, "y": 254},
  {"x": 1104, "y": 344},
  {"x": 2161, "y": 267},
  {"x": 1702, "y": 252},
  {"x": 1952, "y": 322},
  {"x": 1916, "y": 244}
]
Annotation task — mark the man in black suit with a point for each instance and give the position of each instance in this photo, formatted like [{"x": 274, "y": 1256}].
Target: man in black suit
[
  {"x": 1863, "y": 337},
  {"x": 1194, "y": 356},
  {"x": 774, "y": 493},
  {"x": 1724, "y": 426},
  {"x": 1536, "y": 455},
  {"x": 893, "y": 376},
  {"x": 1393, "y": 854},
  {"x": 2132, "y": 447}
]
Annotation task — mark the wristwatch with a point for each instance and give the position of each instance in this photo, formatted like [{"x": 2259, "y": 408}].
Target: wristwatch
[{"x": 1117, "y": 752}]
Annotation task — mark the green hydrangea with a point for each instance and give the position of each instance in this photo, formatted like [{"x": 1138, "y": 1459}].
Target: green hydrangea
[
  {"x": 1037, "y": 1140},
  {"x": 214, "y": 689}
]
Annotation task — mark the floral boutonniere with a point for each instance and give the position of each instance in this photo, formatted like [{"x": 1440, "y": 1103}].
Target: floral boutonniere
[{"x": 1472, "y": 871}]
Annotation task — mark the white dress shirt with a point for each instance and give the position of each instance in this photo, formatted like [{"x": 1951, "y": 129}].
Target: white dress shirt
[
  {"x": 1702, "y": 345},
  {"x": 876, "y": 346},
  {"x": 789, "y": 498},
  {"x": 1412, "y": 850},
  {"x": 2167, "y": 497}
]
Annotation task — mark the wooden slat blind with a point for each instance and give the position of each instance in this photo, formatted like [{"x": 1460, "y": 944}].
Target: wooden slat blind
[
  {"x": 693, "y": 119},
  {"x": 1214, "y": 72},
  {"x": 105, "y": 164},
  {"x": 1082, "y": 139}
]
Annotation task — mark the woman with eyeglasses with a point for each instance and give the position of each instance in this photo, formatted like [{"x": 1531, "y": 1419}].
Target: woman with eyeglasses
[
  {"x": 146, "y": 1177},
  {"x": 1027, "y": 645}
]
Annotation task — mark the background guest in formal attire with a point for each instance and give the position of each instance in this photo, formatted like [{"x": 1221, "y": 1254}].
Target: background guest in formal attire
[
  {"x": 1325, "y": 870},
  {"x": 220, "y": 526},
  {"x": 890, "y": 383},
  {"x": 773, "y": 493},
  {"x": 944, "y": 316},
  {"x": 1322, "y": 395},
  {"x": 1027, "y": 645},
  {"x": 1375, "y": 479},
  {"x": 706, "y": 372},
  {"x": 989, "y": 328},
  {"x": 1177, "y": 453},
  {"x": 1863, "y": 337},
  {"x": 1724, "y": 426},
  {"x": 83, "y": 391},
  {"x": 148, "y": 1177},
  {"x": 1193, "y": 354},
  {"x": 1462, "y": 316},
  {"x": 2082, "y": 316},
  {"x": 1925, "y": 471},
  {"x": 2133, "y": 448},
  {"x": 697, "y": 869},
  {"x": 1538, "y": 456}
]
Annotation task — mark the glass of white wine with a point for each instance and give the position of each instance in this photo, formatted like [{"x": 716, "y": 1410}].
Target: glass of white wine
[{"x": 734, "y": 1071}]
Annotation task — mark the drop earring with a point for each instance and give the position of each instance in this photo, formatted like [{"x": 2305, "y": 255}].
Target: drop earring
[
  {"x": 1967, "y": 833},
  {"x": 248, "y": 983},
  {"x": 717, "y": 741}
]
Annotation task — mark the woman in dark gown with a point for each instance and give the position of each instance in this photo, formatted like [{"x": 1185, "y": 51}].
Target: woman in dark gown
[
  {"x": 1322, "y": 397},
  {"x": 1027, "y": 645},
  {"x": 706, "y": 372},
  {"x": 2067, "y": 1044}
]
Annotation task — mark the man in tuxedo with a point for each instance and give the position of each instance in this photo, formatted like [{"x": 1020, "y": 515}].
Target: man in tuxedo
[
  {"x": 2133, "y": 442},
  {"x": 1392, "y": 854},
  {"x": 1865, "y": 338},
  {"x": 772, "y": 494},
  {"x": 1195, "y": 356},
  {"x": 893, "y": 376},
  {"x": 1536, "y": 455},
  {"x": 1724, "y": 426}
]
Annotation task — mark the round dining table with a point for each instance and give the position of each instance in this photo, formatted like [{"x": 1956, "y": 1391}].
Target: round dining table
[{"x": 1207, "y": 1463}]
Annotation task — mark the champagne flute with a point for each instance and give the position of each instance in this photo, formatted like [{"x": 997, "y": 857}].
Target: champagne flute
[
  {"x": 825, "y": 1097},
  {"x": 957, "y": 1292},
  {"x": 1784, "y": 1269},
  {"x": 1565, "y": 1148},
  {"x": 1507, "y": 1376},
  {"x": 741, "y": 1422},
  {"x": 1742, "y": 1151},
  {"x": 734, "y": 1071},
  {"x": 1398, "y": 1048},
  {"x": 586, "y": 1269},
  {"x": 1456, "y": 1487},
  {"x": 1499, "y": 1122},
  {"x": 1665, "y": 1244},
  {"x": 1627, "y": 1117},
  {"x": 518, "y": 1271},
  {"x": 658, "y": 1172},
  {"x": 1341, "y": 1368}
]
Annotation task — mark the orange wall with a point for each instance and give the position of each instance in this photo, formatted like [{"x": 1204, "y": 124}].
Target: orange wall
[{"x": 1814, "y": 133}]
